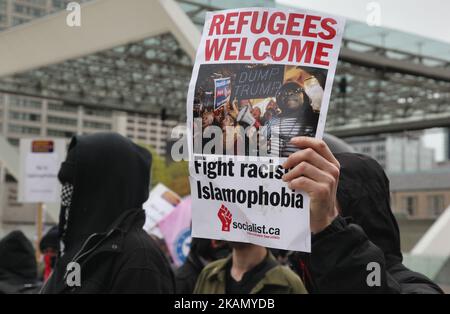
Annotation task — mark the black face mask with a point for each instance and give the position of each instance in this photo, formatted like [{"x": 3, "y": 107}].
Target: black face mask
[
  {"x": 66, "y": 176},
  {"x": 66, "y": 200}
]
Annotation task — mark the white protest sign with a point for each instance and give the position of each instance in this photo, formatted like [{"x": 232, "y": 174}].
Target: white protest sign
[
  {"x": 40, "y": 160},
  {"x": 270, "y": 73},
  {"x": 160, "y": 203}
]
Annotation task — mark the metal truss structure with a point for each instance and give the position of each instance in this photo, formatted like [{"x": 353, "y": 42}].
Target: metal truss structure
[
  {"x": 376, "y": 90},
  {"x": 145, "y": 76}
]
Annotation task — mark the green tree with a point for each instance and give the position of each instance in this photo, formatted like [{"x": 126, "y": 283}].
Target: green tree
[
  {"x": 174, "y": 175},
  {"x": 179, "y": 173}
]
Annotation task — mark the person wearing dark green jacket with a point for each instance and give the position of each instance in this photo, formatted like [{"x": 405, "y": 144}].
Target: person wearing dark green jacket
[{"x": 251, "y": 269}]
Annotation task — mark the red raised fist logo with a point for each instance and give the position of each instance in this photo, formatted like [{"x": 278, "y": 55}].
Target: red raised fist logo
[{"x": 225, "y": 217}]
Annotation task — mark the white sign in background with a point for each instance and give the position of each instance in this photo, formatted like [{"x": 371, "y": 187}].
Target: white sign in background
[
  {"x": 157, "y": 207},
  {"x": 38, "y": 172}
]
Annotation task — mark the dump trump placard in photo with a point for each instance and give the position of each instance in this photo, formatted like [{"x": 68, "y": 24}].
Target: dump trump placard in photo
[{"x": 261, "y": 77}]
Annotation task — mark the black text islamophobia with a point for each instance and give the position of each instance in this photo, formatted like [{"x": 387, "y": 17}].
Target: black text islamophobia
[{"x": 284, "y": 198}]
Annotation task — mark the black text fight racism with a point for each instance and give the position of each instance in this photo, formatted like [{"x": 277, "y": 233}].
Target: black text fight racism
[
  {"x": 214, "y": 169},
  {"x": 272, "y": 30}
]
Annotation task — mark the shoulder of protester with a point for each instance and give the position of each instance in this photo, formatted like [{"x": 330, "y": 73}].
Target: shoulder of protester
[
  {"x": 140, "y": 251},
  {"x": 283, "y": 277},
  {"x": 216, "y": 268}
]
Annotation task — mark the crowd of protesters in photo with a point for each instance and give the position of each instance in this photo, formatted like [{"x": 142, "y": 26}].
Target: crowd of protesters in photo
[{"x": 105, "y": 180}]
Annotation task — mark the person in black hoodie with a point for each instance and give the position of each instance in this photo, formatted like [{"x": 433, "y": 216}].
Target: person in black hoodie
[
  {"x": 49, "y": 247},
  {"x": 365, "y": 231},
  {"x": 18, "y": 267},
  {"x": 363, "y": 194},
  {"x": 105, "y": 180}
]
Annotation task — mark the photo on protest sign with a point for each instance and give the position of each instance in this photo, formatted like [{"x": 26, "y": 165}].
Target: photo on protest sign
[
  {"x": 277, "y": 102},
  {"x": 221, "y": 92},
  {"x": 261, "y": 77}
]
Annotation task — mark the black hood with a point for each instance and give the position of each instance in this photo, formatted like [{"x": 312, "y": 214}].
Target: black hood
[
  {"x": 50, "y": 240},
  {"x": 17, "y": 259},
  {"x": 363, "y": 194},
  {"x": 110, "y": 175}
]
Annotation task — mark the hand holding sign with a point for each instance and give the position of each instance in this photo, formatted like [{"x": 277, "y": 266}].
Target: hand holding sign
[
  {"x": 314, "y": 170},
  {"x": 269, "y": 72}
]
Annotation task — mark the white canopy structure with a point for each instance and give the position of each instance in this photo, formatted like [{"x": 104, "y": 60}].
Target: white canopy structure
[{"x": 105, "y": 24}]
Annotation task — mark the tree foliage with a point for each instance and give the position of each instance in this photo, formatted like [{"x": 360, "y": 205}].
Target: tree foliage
[{"x": 174, "y": 175}]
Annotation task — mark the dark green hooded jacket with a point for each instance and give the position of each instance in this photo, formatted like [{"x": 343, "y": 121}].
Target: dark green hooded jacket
[{"x": 278, "y": 280}]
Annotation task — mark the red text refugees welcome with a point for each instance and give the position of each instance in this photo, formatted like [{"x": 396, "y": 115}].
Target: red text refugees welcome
[{"x": 281, "y": 25}]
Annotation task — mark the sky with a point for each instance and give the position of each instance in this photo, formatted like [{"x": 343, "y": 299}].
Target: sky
[{"x": 435, "y": 139}]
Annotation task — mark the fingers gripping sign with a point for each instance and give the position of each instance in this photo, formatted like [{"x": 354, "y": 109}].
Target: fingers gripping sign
[{"x": 314, "y": 170}]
